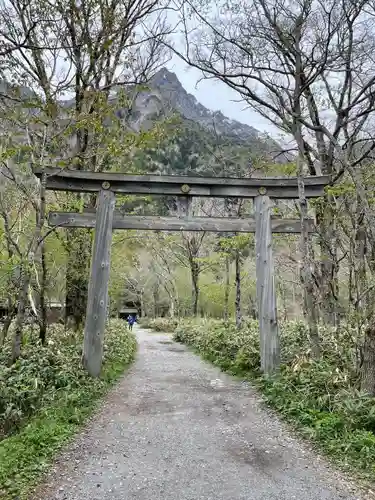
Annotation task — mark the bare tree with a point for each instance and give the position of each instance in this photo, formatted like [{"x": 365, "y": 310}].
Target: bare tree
[
  {"x": 75, "y": 58},
  {"x": 308, "y": 68},
  {"x": 256, "y": 51},
  {"x": 27, "y": 248},
  {"x": 235, "y": 246},
  {"x": 164, "y": 268}
]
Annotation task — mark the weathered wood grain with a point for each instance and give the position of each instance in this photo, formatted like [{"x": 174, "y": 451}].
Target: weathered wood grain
[
  {"x": 221, "y": 187},
  {"x": 265, "y": 287},
  {"x": 184, "y": 206},
  {"x": 210, "y": 224},
  {"x": 98, "y": 286}
]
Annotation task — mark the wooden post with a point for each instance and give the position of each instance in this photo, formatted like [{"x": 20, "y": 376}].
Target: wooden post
[
  {"x": 265, "y": 287},
  {"x": 96, "y": 313},
  {"x": 184, "y": 206}
]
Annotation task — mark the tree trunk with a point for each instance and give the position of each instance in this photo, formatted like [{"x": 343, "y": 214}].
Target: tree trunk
[
  {"x": 368, "y": 366},
  {"x": 141, "y": 304},
  {"x": 253, "y": 308},
  {"x": 11, "y": 284},
  {"x": 42, "y": 303},
  {"x": 238, "y": 290},
  {"x": 306, "y": 274},
  {"x": 310, "y": 306},
  {"x": 226, "y": 288},
  {"x": 155, "y": 294},
  {"x": 177, "y": 303},
  {"x": 171, "y": 307},
  {"x": 79, "y": 249},
  {"x": 20, "y": 318},
  {"x": 7, "y": 322},
  {"x": 362, "y": 300},
  {"x": 329, "y": 265},
  {"x": 195, "y": 286}
]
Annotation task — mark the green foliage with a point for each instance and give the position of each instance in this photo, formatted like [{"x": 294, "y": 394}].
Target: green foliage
[
  {"x": 159, "y": 324},
  {"x": 321, "y": 397},
  {"x": 240, "y": 241},
  {"x": 285, "y": 169},
  {"x": 229, "y": 348},
  {"x": 46, "y": 396}
]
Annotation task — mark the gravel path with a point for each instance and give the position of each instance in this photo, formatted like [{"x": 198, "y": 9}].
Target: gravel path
[{"x": 176, "y": 428}]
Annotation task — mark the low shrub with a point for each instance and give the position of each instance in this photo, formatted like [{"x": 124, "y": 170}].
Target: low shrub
[
  {"x": 167, "y": 325},
  {"x": 46, "y": 395},
  {"x": 322, "y": 397}
]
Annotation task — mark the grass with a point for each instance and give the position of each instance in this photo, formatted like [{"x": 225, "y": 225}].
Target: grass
[{"x": 29, "y": 448}]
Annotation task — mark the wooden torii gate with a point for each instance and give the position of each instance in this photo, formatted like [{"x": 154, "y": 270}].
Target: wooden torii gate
[{"x": 107, "y": 185}]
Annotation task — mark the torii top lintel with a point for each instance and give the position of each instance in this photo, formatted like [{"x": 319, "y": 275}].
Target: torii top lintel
[{"x": 215, "y": 187}]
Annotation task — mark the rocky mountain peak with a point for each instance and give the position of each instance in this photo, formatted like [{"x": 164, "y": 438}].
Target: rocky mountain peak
[
  {"x": 164, "y": 78},
  {"x": 165, "y": 95},
  {"x": 168, "y": 90}
]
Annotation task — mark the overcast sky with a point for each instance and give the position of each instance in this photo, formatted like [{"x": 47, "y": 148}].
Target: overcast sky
[{"x": 217, "y": 96}]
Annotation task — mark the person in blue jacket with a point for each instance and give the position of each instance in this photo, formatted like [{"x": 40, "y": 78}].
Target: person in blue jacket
[{"x": 131, "y": 321}]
